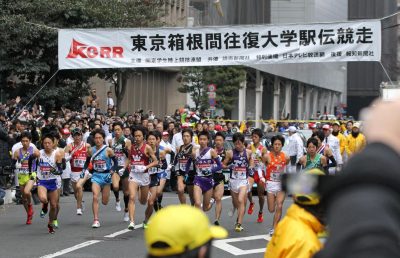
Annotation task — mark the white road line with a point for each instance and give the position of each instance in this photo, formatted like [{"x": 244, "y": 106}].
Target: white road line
[
  {"x": 226, "y": 197},
  {"x": 87, "y": 243},
  {"x": 122, "y": 231},
  {"x": 224, "y": 244},
  {"x": 73, "y": 248}
]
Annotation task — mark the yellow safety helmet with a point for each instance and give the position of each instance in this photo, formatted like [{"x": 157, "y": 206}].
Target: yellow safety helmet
[
  {"x": 312, "y": 198},
  {"x": 179, "y": 228}
]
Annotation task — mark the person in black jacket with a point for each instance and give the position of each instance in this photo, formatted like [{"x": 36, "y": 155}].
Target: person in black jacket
[
  {"x": 364, "y": 202},
  {"x": 5, "y": 143}
]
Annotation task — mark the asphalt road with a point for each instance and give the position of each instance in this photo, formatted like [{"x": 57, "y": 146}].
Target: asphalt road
[{"x": 76, "y": 238}]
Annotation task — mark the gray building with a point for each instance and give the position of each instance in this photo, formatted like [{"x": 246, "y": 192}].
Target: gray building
[{"x": 364, "y": 78}]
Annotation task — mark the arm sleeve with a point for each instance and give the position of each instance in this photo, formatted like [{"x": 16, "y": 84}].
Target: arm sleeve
[
  {"x": 372, "y": 176},
  {"x": 218, "y": 166},
  {"x": 115, "y": 163},
  {"x": 60, "y": 166},
  {"x": 333, "y": 162},
  {"x": 86, "y": 165}
]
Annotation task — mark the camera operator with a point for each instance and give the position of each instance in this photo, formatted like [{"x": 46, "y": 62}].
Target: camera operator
[{"x": 363, "y": 203}]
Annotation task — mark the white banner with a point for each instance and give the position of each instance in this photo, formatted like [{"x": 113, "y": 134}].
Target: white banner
[{"x": 206, "y": 46}]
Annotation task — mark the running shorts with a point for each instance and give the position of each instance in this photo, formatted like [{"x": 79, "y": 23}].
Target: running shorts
[
  {"x": 154, "y": 180},
  {"x": 102, "y": 179},
  {"x": 142, "y": 179},
  {"x": 236, "y": 184},
  {"x": 75, "y": 176},
  {"x": 162, "y": 175},
  {"x": 219, "y": 178},
  {"x": 274, "y": 187},
  {"x": 205, "y": 183},
  {"x": 50, "y": 185},
  {"x": 23, "y": 179}
]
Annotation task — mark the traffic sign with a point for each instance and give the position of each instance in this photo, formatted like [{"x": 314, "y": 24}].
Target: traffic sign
[
  {"x": 212, "y": 87},
  {"x": 212, "y": 95},
  {"x": 212, "y": 102}
]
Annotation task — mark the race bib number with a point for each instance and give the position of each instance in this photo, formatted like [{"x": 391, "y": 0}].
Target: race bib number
[
  {"x": 23, "y": 168},
  {"x": 79, "y": 163},
  {"x": 45, "y": 172},
  {"x": 276, "y": 177},
  {"x": 239, "y": 173},
  {"x": 182, "y": 165},
  {"x": 100, "y": 165},
  {"x": 120, "y": 159},
  {"x": 153, "y": 170}
]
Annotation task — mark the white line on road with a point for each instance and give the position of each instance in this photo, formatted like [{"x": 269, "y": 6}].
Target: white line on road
[
  {"x": 71, "y": 249},
  {"x": 224, "y": 245},
  {"x": 122, "y": 231},
  {"x": 87, "y": 243},
  {"x": 226, "y": 197}
]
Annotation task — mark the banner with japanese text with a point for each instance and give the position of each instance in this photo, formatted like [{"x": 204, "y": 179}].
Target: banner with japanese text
[{"x": 230, "y": 45}]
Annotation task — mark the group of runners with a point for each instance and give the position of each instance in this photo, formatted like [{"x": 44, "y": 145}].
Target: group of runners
[{"x": 140, "y": 165}]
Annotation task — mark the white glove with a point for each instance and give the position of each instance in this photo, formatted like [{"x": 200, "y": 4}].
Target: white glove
[
  {"x": 169, "y": 167},
  {"x": 262, "y": 179},
  {"x": 121, "y": 171}
]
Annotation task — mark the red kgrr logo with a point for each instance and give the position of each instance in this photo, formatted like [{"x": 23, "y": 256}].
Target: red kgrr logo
[{"x": 79, "y": 49}]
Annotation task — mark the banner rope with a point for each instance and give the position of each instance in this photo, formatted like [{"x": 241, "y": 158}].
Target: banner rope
[{"x": 41, "y": 88}]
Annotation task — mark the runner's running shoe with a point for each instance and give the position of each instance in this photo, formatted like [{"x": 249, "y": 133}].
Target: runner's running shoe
[
  {"x": 131, "y": 225},
  {"x": 271, "y": 232},
  {"x": 238, "y": 227},
  {"x": 145, "y": 225},
  {"x": 55, "y": 223},
  {"x": 216, "y": 222},
  {"x": 44, "y": 210},
  {"x": 251, "y": 208},
  {"x": 79, "y": 212},
  {"x": 96, "y": 224},
  {"x": 29, "y": 215},
  {"x": 118, "y": 206},
  {"x": 126, "y": 216},
  {"x": 51, "y": 229},
  {"x": 260, "y": 218},
  {"x": 212, "y": 201}
]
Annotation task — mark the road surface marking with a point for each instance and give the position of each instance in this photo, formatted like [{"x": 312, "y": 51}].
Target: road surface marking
[
  {"x": 225, "y": 246},
  {"x": 73, "y": 248},
  {"x": 88, "y": 243},
  {"x": 122, "y": 231}
]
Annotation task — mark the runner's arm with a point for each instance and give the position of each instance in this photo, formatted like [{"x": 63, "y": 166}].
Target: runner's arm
[
  {"x": 127, "y": 149},
  {"x": 218, "y": 167},
  {"x": 227, "y": 159},
  {"x": 331, "y": 157},
  {"x": 153, "y": 157},
  {"x": 111, "y": 154},
  {"x": 60, "y": 161},
  {"x": 251, "y": 161}
]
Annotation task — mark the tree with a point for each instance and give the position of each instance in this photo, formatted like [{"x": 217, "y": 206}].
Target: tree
[
  {"x": 227, "y": 79},
  {"x": 193, "y": 82},
  {"x": 29, "y": 42}
]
